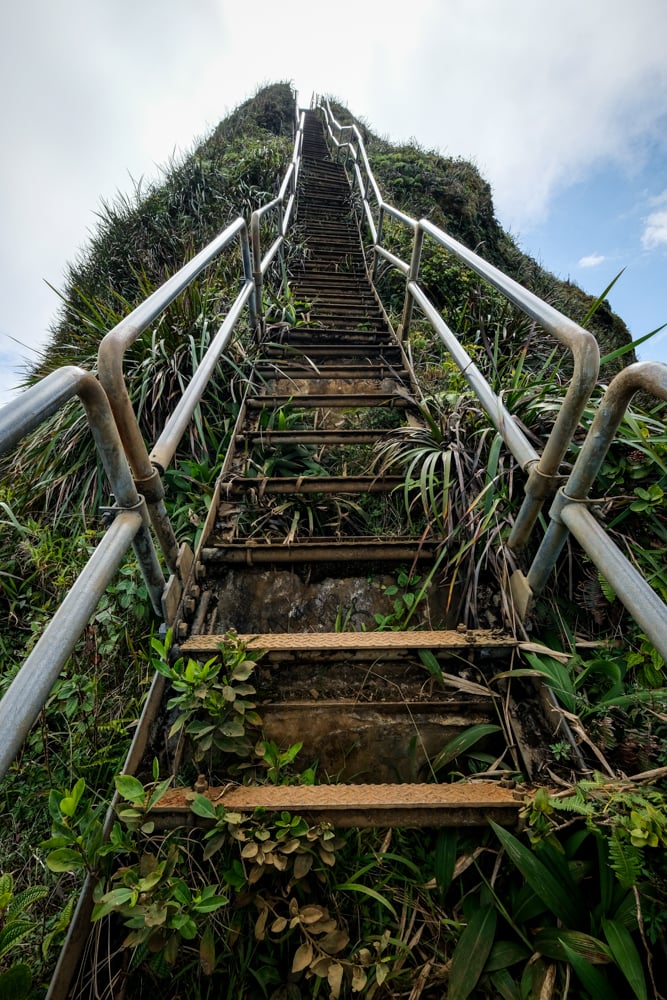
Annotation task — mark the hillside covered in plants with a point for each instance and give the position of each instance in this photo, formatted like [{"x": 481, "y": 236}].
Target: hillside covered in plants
[{"x": 576, "y": 908}]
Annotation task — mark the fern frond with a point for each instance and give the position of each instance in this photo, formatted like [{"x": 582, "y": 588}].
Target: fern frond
[
  {"x": 573, "y": 804},
  {"x": 625, "y": 861}
]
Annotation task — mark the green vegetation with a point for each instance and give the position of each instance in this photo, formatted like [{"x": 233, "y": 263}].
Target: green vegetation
[
  {"x": 275, "y": 903},
  {"x": 277, "y": 907}
]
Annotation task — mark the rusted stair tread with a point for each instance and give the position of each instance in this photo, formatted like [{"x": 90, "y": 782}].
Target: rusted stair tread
[
  {"x": 359, "y": 549},
  {"x": 346, "y": 400},
  {"x": 343, "y": 336},
  {"x": 311, "y": 437},
  {"x": 294, "y": 369},
  {"x": 366, "y": 309},
  {"x": 314, "y": 484},
  {"x": 344, "y": 436},
  {"x": 290, "y": 351},
  {"x": 330, "y": 351},
  {"x": 300, "y": 641},
  {"x": 469, "y": 803},
  {"x": 305, "y": 384}
]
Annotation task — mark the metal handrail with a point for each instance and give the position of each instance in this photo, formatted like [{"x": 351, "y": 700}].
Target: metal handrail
[
  {"x": 110, "y": 367},
  {"x": 542, "y": 470},
  {"x": 133, "y": 474},
  {"x": 26, "y": 695},
  {"x": 569, "y": 511},
  {"x": 284, "y": 203},
  {"x": 147, "y": 469}
]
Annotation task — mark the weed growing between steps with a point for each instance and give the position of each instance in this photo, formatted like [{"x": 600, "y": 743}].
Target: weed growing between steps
[{"x": 261, "y": 904}]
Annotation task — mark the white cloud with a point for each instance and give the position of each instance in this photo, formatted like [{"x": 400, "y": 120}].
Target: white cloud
[
  {"x": 536, "y": 93},
  {"x": 658, "y": 199},
  {"x": 592, "y": 260},
  {"x": 655, "y": 232}
]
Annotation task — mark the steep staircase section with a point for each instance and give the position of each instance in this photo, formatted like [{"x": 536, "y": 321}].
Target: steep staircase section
[{"x": 307, "y": 552}]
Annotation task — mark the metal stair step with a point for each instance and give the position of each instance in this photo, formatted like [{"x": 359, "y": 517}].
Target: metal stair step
[
  {"x": 464, "y": 803},
  {"x": 359, "y": 548},
  {"x": 312, "y": 484},
  {"x": 374, "y": 641},
  {"x": 270, "y": 437},
  {"x": 316, "y": 401}
]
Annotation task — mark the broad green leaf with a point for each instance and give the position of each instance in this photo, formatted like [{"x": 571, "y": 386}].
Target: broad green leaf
[
  {"x": 562, "y": 898},
  {"x": 626, "y": 956},
  {"x": 463, "y": 742},
  {"x": 560, "y": 679},
  {"x": 149, "y": 881},
  {"x": 64, "y": 860},
  {"x": 446, "y": 847},
  {"x": 186, "y": 926},
  {"x": 211, "y": 904},
  {"x": 550, "y": 942},
  {"x": 504, "y": 985},
  {"x": 504, "y": 954},
  {"x": 15, "y": 984},
  {"x": 130, "y": 788},
  {"x": 243, "y": 671},
  {"x": 117, "y": 897},
  {"x": 595, "y": 982},
  {"x": 207, "y": 951},
  {"x": 201, "y": 806},
  {"x": 181, "y": 892},
  {"x": 471, "y": 953},
  {"x": 111, "y": 901},
  {"x": 366, "y": 890},
  {"x": 69, "y": 803},
  {"x": 159, "y": 791}
]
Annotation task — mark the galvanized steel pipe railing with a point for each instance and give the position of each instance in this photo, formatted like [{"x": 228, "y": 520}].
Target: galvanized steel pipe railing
[
  {"x": 283, "y": 203},
  {"x": 542, "y": 470},
  {"x": 177, "y": 424},
  {"x": 26, "y": 695},
  {"x": 569, "y": 511},
  {"x": 147, "y": 469},
  {"x": 542, "y": 475},
  {"x": 110, "y": 366}
]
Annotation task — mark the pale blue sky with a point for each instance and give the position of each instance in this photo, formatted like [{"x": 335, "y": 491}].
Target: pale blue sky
[
  {"x": 562, "y": 106},
  {"x": 614, "y": 219}
]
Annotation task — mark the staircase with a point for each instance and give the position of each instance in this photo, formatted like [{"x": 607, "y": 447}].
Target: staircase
[{"x": 289, "y": 562}]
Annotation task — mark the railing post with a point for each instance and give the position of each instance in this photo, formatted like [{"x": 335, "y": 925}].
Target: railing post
[
  {"x": 650, "y": 376},
  {"x": 247, "y": 274},
  {"x": 257, "y": 273},
  {"x": 43, "y": 399},
  {"x": 378, "y": 243},
  {"x": 413, "y": 275},
  {"x": 146, "y": 477}
]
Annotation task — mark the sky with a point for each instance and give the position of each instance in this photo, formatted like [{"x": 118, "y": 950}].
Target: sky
[{"x": 562, "y": 106}]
